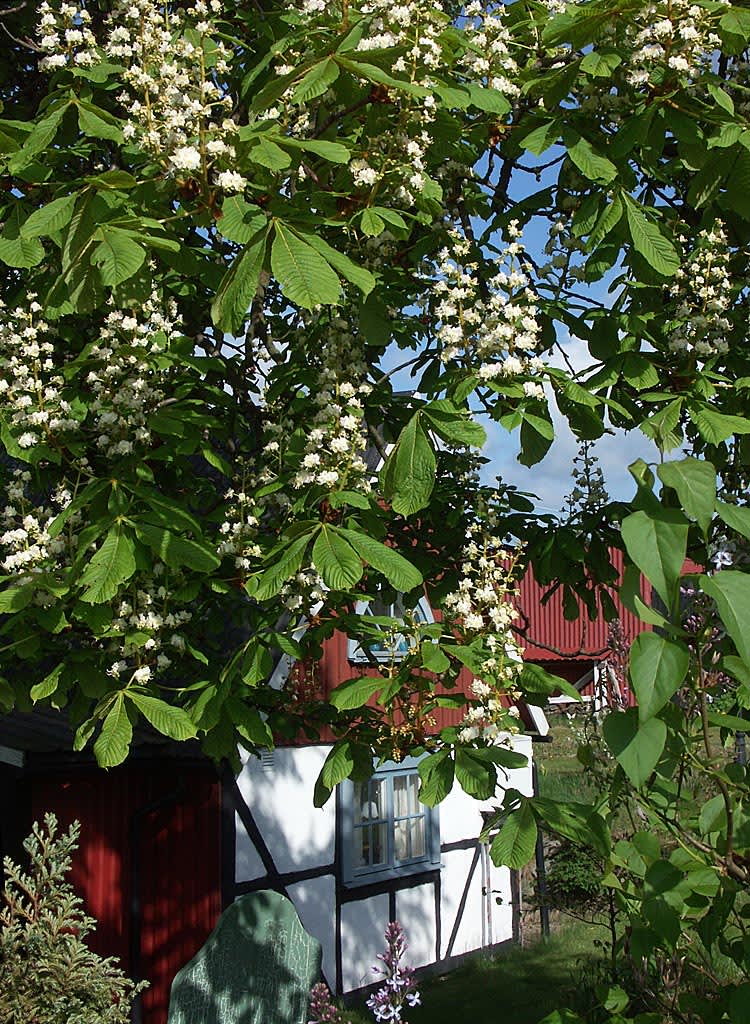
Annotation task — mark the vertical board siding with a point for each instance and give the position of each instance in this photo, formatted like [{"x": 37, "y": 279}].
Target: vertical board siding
[
  {"x": 172, "y": 812},
  {"x": 578, "y": 639}
]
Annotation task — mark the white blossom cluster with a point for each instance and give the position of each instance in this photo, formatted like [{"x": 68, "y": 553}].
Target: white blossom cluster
[
  {"x": 239, "y": 531},
  {"x": 175, "y": 97},
  {"x": 415, "y": 24},
  {"x": 482, "y": 605},
  {"x": 65, "y": 37},
  {"x": 177, "y": 104},
  {"x": 495, "y": 335},
  {"x": 302, "y": 593},
  {"x": 335, "y": 444},
  {"x": 482, "y": 600},
  {"x": 488, "y": 55},
  {"x": 702, "y": 293},
  {"x": 489, "y": 719},
  {"x": 398, "y": 157},
  {"x": 31, "y": 388},
  {"x": 25, "y": 544},
  {"x": 147, "y": 629},
  {"x": 125, "y": 379},
  {"x": 673, "y": 37}
]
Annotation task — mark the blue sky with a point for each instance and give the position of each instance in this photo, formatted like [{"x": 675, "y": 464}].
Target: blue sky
[{"x": 551, "y": 478}]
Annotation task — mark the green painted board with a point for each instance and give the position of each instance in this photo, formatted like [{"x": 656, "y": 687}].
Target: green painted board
[{"x": 257, "y": 967}]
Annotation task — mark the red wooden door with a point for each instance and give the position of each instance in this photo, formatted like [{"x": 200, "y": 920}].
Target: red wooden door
[{"x": 149, "y": 862}]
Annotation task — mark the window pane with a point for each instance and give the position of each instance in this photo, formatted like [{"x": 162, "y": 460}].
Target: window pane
[
  {"x": 369, "y": 801},
  {"x": 401, "y": 839},
  {"x": 401, "y": 796},
  {"x": 379, "y": 848},
  {"x": 377, "y": 798},
  {"x": 417, "y": 837},
  {"x": 414, "y": 807},
  {"x": 361, "y": 843},
  {"x": 361, "y": 801}
]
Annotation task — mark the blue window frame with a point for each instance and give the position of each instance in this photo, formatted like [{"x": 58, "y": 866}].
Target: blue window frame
[
  {"x": 394, "y": 645},
  {"x": 386, "y": 832}
]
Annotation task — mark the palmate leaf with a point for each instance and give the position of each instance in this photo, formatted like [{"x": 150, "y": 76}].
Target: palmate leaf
[
  {"x": 476, "y": 775},
  {"x": 714, "y": 426},
  {"x": 113, "y": 743},
  {"x": 436, "y": 774},
  {"x": 345, "y": 759},
  {"x": 287, "y": 563},
  {"x": 49, "y": 218},
  {"x": 354, "y": 693},
  {"x": 240, "y": 222},
  {"x": 98, "y": 123},
  {"x": 15, "y": 599},
  {"x": 371, "y": 223},
  {"x": 514, "y": 844},
  {"x": 316, "y": 81},
  {"x": 695, "y": 483},
  {"x": 648, "y": 240},
  {"x": 305, "y": 276},
  {"x": 166, "y": 718},
  {"x": 239, "y": 287},
  {"x": 117, "y": 255},
  {"x": 591, "y": 164},
  {"x": 409, "y": 474},
  {"x": 178, "y": 552},
  {"x": 111, "y": 566},
  {"x": 15, "y": 250},
  {"x": 268, "y": 154},
  {"x": 399, "y": 572},
  {"x": 453, "y": 425},
  {"x": 48, "y": 685},
  {"x": 334, "y": 152},
  {"x": 607, "y": 222},
  {"x": 336, "y": 561},
  {"x": 349, "y": 270}
]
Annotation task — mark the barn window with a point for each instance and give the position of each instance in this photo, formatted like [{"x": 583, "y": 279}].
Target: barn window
[
  {"x": 386, "y": 831},
  {"x": 387, "y": 643}
]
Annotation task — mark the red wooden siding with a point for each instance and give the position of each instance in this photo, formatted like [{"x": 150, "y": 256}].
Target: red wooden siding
[
  {"x": 579, "y": 639},
  {"x": 167, "y": 815}
]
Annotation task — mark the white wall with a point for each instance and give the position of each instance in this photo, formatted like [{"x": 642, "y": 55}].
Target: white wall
[
  {"x": 362, "y": 926},
  {"x": 415, "y": 910},
  {"x": 298, "y": 834},
  {"x": 315, "y": 900}
]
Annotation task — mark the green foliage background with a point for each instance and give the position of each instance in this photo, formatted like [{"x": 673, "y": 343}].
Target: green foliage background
[{"x": 641, "y": 164}]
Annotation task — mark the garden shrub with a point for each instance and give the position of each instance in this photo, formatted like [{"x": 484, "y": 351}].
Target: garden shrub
[
  {"x": 48, "y": 974},
  {"x": 574, "y": 879}
]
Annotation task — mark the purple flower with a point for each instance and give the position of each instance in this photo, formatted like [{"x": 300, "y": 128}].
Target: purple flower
[{"x": 399, "y": 984}]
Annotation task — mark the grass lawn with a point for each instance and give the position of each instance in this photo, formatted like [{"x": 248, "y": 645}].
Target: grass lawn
[{"x": 517, "y": 986}]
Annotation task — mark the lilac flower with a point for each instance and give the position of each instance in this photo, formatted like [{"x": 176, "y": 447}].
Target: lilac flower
[
  {"x": 399, "y": 984},
  {"x": 323, "y": 1010}
]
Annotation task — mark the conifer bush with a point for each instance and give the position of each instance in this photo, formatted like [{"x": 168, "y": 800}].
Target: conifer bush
[{"x": 48, "y": 974}]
